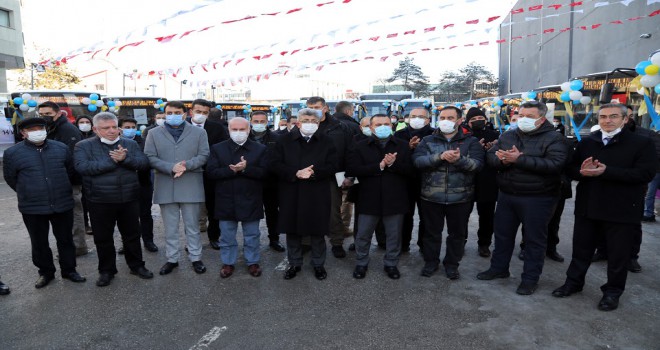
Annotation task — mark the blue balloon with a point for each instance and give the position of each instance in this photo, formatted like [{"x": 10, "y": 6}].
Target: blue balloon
[
  {"x": 111, "y": 103},
  {"x": 657, "y": 89},
  {"x": 93, "y": 97},
  {"x": 641, "y": 66},
  {"x": 159, "y": 101},
  {"x": 565, "y": 96},
  {"x": 32, "y": 103},
  {"x": 218, "y": 107},
  {"x": 285, "y": 106},
  {"x": 473, "y": 103},
  {"x": 532, "y": 95},
  {"x": 577, "y": 85},
  {"x": 92, "y": 108},
  {"x": 18, "y": 100},
  {"x": 576, "y": 102},
  {"x": 458, "y": 105}
]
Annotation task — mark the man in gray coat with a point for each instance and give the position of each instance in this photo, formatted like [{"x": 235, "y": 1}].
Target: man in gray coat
[{"x": 177, "y": 152}]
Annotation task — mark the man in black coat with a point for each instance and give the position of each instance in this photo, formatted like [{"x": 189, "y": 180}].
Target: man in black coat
[
  {"x": 529, "y": 160},
  {"x": 216, "y": 133},
  {"x": 344, "y": 113},
  {"x": 305, "y": 163},
  {"x": 260, "y": 133},
  {"x": 109, "y": 164},
  {"x": 613, "y": 167},
  {"x": 383, "y": 167},
  {"x": 40, "y": 171},
  {"x": 420, "y": 127}
]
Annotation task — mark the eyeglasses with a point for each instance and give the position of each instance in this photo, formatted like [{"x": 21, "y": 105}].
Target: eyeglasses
[{"x": 610, "y": 117}]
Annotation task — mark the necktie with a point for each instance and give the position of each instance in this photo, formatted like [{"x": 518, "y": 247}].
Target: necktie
[
  {"x": 306, "y": 138},
  {"x": 199, "y": 125},
  {"x": 607, "y": 140}
]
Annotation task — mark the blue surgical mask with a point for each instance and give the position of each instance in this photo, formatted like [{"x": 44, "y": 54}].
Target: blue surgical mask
[
  {"x": 513, "y": 125},
  {"x": 319, "y": 113},
  {"x": 383, "y": 131},
  {"x": 259, "y": 127},
  {"x": 366, "y": 131},
  {"x": 174, "y": 119},
  {"x": 129, "y": 133}
]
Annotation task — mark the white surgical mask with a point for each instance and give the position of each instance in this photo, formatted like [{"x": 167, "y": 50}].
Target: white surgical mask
[
  {"x": 526, "y": 124},
  {"x": 447, "y": 126},
  {"x": 110, "y": 142},
  {"x": 417, "y": 123},
  {"x": 37, "y": 136},
  {"x": 259, "y": 127},
  {"x": 199, "y": 118},
  {"x": 283, "y": 127},
  {"x": 85, "y": 127},
  {"x": 308, "y": 129},
  {"x": 238, "y": 136},
  {"x": 611, "y": 133},
  {"x": 366, "y": 131},
  {"x": 160, "y": 122}
]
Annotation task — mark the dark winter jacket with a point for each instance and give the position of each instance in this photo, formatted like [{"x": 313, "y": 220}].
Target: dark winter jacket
[
  {"x": 63, "y": 131},
  {"x": 41, "y": 176},
  {"x": 347, "y": 120},
  {"x": 341, "y": 137},
  {"x": 653, "y": 135},
  {"x": 537, "y": 172},
  {"x": 105, "y": 181},
  {"x": 486, "y": 180},
  {"x": 269, "y": 139},
  {"x": 444, "y": 182}
]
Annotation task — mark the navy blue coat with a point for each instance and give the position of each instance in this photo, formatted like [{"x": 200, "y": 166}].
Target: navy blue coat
[
  {"x": 41, "y": 176},
  {"x": 238, "y": 196}
]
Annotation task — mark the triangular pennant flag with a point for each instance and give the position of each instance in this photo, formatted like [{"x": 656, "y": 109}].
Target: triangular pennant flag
[
  {"x": 165, "y": 39},
  {"x": 555, "y": 6},
  {"x": 535, "y": 7}
]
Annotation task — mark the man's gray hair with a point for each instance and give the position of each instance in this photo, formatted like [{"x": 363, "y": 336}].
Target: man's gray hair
[
  {"x": 623, "y": 108},
  {"x": 543, "y": 109},
  {"x": 104, "y": 116},
  {"x": 308, "y": 112}
]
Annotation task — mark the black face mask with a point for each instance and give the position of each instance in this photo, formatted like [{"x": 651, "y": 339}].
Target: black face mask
[
  {"x": 478, "y": 124},
  {"x": 48, "y": 119}
]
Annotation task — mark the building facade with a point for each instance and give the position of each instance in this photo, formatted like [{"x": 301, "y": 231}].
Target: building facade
[{"x": 11, "y": 39}]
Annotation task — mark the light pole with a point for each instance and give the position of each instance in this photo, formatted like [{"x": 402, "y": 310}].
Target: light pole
[
  {"x": 153, "y": 89},
  {"x": 213, "y": 92},
  {"x": 39, "y": 68},
  {"x": 183, "y": 82}
]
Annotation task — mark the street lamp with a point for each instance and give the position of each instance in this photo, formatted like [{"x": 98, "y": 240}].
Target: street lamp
[
  {"x": 39, "y": 68},
  {"x": 123, "y": 85},
  {"x": 213, "y": 92},
  {"x": 183, "y": 82}
]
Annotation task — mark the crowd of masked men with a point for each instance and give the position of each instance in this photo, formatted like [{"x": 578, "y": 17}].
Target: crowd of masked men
[{"x": 308, "y": 176}]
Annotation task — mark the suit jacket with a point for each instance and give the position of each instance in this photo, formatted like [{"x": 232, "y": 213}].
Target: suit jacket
[{"x": 164, "y": 152}]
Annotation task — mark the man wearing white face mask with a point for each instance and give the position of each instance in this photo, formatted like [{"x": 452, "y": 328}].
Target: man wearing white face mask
[
  {"x": 529, "y": 161},
  {"x": 40, "y": 171}
]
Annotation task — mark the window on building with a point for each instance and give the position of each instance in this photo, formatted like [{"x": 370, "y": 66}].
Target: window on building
[
  {"x": 98, "y": 87},
  {"x": 4, "y": 18}
]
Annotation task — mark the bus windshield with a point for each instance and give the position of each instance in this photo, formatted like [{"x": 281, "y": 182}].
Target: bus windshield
[
  {"x": 140, "y": 108},
  {"x": 231, "y": 110},
  {"x": 396, "y": 96},
  {"x": 377, "y": 107},
  {"x": 69, "y": 101}
]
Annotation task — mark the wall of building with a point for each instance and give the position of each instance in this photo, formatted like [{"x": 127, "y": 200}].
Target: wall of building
[{"x": 11, "y": 40}]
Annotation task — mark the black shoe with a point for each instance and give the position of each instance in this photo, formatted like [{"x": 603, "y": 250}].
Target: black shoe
[
  {"x": 43, "y": 281},
  {"x": 214, "y": 244},
  {"x": 168, "y": 267},
  {"x": 199, "y": 267},
  {"x": 491, "y": 274},
  {"x": 553, "y": 255},
  {"x": 599, "y": 255},
  {"x": 452, "y": 272},
  {"x": 120, "y": 251},
  {"x": 104, "y": 279},
  {"x": 150, "y": 246},
  {"x": 521, "y": 255},
  {"x": 427, "y": 271},
  {"x": 4, "y": 289},
  {"x": 291, "y": 272},
  {"x": 74, "y": 277},
  {"x": 360, "y": 272},
  {"x": 484, "y": 251},
  {"x": 143, "y": 273},
  {"x": 320, "y": 273},
  {"x": 526, "y": 288},
  {"x": 276, "y": 246},
  {"x": 565, "y": 291},
  {"x": 392, "y": 272},
  {"x": 338, "y": 251},
  {"x": 648, "y": 218},
  {"x": 608, "y": 303},
  {"x": 634, "y": 266},
  {"x": 351, "y": 248}
]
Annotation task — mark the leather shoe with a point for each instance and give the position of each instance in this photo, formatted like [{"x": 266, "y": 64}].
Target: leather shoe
[
  {"x": 199, "y": 267},
  {"x": 168, "y": 267},
  {"x": 452, "y": 272},
  {"x": 351, "y": 247},
  {"x": 634, "y": 266},
  {"x": 104, "y": 279},
  {"x": 484, "y": 251},
  {"x": 526, "y": 288},
  {"x": 4, "y": 289},
  {"x": 120, "y": 251},
  {"x": 43, "y": 281},
  {"x": 338, "y": 251},
  {"x": 291, "y": 272},
  {"x": 254, "y": 270},
  {"x": 427, "y": 271},
  {"x": 521, "y": 255},
  {"x": 608, "y": 303},
  {"x": 81, "y": 251},
  {"x": 392, "y": 272},
  {"x": 565, "y": 291},
  {"x": 648, "y": 218},
  {"x": 150, "y": 246},
  {"x": 360, "y": 272},
  {"x": 143, "y": 273},
  {"x": 276, "y": 246},
  {"x": 599, "y": 255},
  {"x": 74, "y": 277},
  {"x": 215, "y": 245},
  {"x": 553, "y": 255},
  {"x": 226, "y": 271},
  {"x": 320, "y": 273},
  {"x": 490, "y": 274}
]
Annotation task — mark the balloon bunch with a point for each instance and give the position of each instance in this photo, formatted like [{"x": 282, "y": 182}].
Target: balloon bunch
[
  {"x": 571, "y": 92},
  {"x": 160, "y": 104},
  {"x": 112, "y": 106},
  {"x": 218, "y": 107},
  {"x": 649, "y": 71},
  {"x": 529, "y": 95},
  {"x": 247, "y": 109},
  {"x": 458, "y": 105},
  {"x": 25, "y": 102},
  {"x": 274, "y": 110},
  {"x": 427, "y": 104},
  {"x": 93, "y": 103}
]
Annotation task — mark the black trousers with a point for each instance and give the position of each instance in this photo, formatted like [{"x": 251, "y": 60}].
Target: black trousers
[
  {"x": 294, "y": 249},
  {"x": 486, "y": 212},
  {"x": 434, "y": 215},
  {"x": 104, "y": 217},
  {"x": 601, "y": 245},
  {"x": 213, "y": 228},
  {"x": 42, "y": 257},
  {"x": 619, "y": 238},
  {"x": 414, "y": 192},
  {"x": 272, "y": 212},
  {"x": 146, "y": 220},
  {"x": 553, "y": 228}
]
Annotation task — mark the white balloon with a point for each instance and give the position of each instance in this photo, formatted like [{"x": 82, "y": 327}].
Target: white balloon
[
  {"x": 3, "y": 100},
  {"x": 650, "y": 81},
  {"x": 117, "y": 103},
  {"x": 24, "y": 107},
  {"x": 26, "y": 96},
  {"x": 498, "y": 108},
  {"x": 86, "y": 100},
  {"x": 575, "y": 95},
  {"x": 156, "y": 105},
  {"x": 99, "y": 103},
  {"x": 655, "y": 59},
  {"x": 585, "y": 100},
  {"x": 566, "y": 86}
]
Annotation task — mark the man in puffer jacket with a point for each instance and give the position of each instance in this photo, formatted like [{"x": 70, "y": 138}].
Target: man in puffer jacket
[
  {"x": 448, "y": 160},
  {"x": 529, "y": 162},
  {"x": 40, "y": 171}
]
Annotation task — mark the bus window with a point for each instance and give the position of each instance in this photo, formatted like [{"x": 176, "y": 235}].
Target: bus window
[
  {"x": 69, "y": 101},
  {"x": 140, "y": 108}
]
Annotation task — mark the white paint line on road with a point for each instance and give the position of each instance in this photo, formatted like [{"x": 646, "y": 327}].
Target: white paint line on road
[
  {"x": 209, "y": 338},
  {"x": 282, "y": 266}
]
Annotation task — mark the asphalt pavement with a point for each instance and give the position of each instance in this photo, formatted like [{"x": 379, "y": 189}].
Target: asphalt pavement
[{"x": 184, "y": 310}]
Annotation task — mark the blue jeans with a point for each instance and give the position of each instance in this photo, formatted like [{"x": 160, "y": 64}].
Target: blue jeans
[
  {"x": 229, "y": 245},
  {"x": 649, "y": 201}
]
